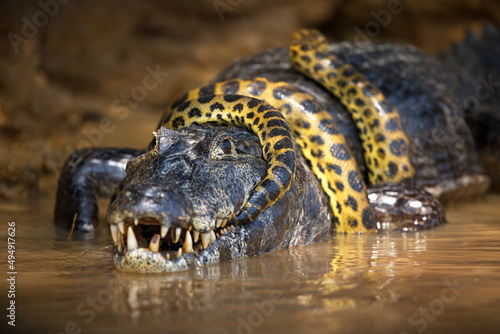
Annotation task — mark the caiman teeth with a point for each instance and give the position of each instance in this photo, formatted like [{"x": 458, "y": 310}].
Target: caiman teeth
[
  {"x": 154, "y": 244},
  {"x": 221, "y": 222},
  {"x": 164, "y": 231},
  {"x": 128, "y": 236},
  {"x": 114, "y": 233},
  {"x": 196, "y": 235},
  {"x": 205, "y": 239},
  {"x": 121, "y": 226},
  {"x": 176, "y": 235},
  {"x": 188, "y": 243},
  {"x": 131, "y": 240}
]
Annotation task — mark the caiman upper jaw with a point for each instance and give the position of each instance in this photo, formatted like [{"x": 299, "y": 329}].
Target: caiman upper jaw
[{"x": 154, "y": 225}]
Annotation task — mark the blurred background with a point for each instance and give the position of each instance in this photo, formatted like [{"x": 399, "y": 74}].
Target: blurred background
[{"x": 76, "y": 74}]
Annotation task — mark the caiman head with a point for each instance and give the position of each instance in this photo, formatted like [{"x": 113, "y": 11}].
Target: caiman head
[{"x": 175, "y": 206}]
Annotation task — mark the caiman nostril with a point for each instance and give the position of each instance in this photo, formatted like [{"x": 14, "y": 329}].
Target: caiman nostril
[{"x": 152, "y": 192}]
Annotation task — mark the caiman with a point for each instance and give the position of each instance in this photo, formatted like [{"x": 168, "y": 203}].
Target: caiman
[{"x": 278, "y": 151}]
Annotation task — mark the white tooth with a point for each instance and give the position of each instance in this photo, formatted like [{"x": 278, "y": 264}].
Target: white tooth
[
  {"x": 114, "y": 233},
  {"x": 188, "y": 243},
  {"x": 196, "y": 235},
  {"x": 224, "y": 221},
  {"x": 177, "y": 235},
  {"x": 131, "y": 240},
  {"x": 164, "y": 231},
  {"x": 136, "y": 221},
  {"x": 167, "y": 256},
  {"x": 179, "y": 252},
  {"x": 218, "y": 222},
  {"x": 154, "y": 244},
  {"x": 120, "y": 249},
  {"x": 205, "y": 239},
  {"x": 121, "y": 226},
  {"x": 212, "y": 236}
]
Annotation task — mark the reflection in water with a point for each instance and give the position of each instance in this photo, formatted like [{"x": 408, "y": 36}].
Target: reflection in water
[
  {"x": 139, "y": 296},
  {"x": 376, "y": 255},
  {"x": 370, "y": 261},
  {"x": 207, "y": 288},
  {"x": 373, "y": 283}
]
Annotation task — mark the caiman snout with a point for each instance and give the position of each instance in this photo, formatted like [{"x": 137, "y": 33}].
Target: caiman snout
[
  {"x": 167, "y": 205},
  {"x": 162, "y": 220}
]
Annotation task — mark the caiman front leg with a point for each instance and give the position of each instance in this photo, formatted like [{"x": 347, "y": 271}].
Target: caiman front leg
[{"x": 88, "y": 174}]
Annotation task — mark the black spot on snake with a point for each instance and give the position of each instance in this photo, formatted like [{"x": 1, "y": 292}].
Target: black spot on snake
[
  {"x": 398, "y": 147},
  {"x": 205, "y": 99},
  {"x": 183, "y": 106},
  {"x": 257, "y": 87},
  {"x": 339, "y": 185},
  {"x": 367, "y": 219},
  {"x": 231, "y": 87},
  {"x": 336, "y": 168},
  {"x": 355, "y": 182},
  {"x": 281, "y": 93},
  {"x": 392, "y": 125},
  {"x": 340, "y": 152},
  {"x": 238, "y": 107},
  {"x": 178, "y": 122},
  {"x": 352, "y": 203},
  {"x": 207, "y": 90},
  {"x": 232, "y": 98},
  {"x": 311, "y": 106},
  {"x": 329, "y": 126},
  {"x": 195, "y": 112},
  {"x": 218, "y": 106},
  {"x": 368, "y": 91}
]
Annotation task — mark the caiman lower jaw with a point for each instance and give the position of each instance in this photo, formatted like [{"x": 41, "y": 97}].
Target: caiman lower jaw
[{"x": 145, "y": 245}]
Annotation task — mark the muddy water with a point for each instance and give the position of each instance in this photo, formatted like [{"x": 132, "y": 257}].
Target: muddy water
[{"x": 439, "y": 281}]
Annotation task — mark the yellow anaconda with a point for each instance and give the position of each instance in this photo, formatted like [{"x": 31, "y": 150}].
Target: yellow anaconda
[
  {"x": 262, "y": 119},
  {"x": 385, "y": 144},
  {"x": 318, "y": 136}
]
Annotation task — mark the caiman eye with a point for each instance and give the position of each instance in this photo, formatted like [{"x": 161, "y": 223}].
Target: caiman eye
[
  {"x": 222, "y": 147},
  {"x": 225, "y": 146}
]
